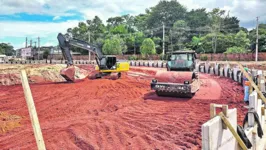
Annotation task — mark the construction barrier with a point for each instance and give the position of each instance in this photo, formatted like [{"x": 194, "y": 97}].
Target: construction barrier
[{"x": 214, "y": 134}]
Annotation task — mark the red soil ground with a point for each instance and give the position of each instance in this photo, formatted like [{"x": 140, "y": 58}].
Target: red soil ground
[{"x": 120, "y": 114}]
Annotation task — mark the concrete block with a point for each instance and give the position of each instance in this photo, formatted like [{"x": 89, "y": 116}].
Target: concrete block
[
  {"x": 207, "y": 66},
  {"x": 252, "y": 105},
  {"x": 211, "y": 70},
  {"x": 150, "y": 64},
  {"x": 215, "y": 138},
  {"x": 239, "y": 76},
  {"x": 201, "y": 69},
  {"x": 235, "y": 70},
  {"x": 216, "y": 69},
  {"x": 164, "y": 65},
  {"x": 226, "y": 71},
  {"x": 159, "y": 64},
  {"x": 230, "y": 73},
  {"x": 197, "y": 67},
  {"x": 222, "y": 72}
]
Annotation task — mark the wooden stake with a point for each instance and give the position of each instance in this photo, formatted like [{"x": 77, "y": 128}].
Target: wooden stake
[
  {"x": 32, "y": 111},
  {"x": 228, "y": 124},
  {"x": 252, "y": 82}
]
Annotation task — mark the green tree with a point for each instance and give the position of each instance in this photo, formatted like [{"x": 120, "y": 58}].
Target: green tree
[
  {"x": 140, "y": 22},
  {"x": 6, "y": 49},
  {"x": 262, "y": 38},
  {"x": 241, "y": 40},
  {"x": 196, "y": 44},
  {"x": 157, "y": 41},
  {"x": 216, "y": 16},
  {"x": 166, "y": 12},
  {"x": 197, "y": 20},
  {"x": 147, "y": 47},
  {"x": 139, "y": 38},
  {"x": 115, "y": 21},
  {"x": 235, "y": 49},
  {"x": 119, "y": 29},
  {"x": 46, "y": 53},
  {"x": 112, "y": 46},
  {"x": 230, "y": 25},
  {"x": 179, "y": 33},
  {"x": 223, "y": 42}
]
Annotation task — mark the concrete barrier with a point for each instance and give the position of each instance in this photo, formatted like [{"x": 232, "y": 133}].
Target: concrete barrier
[
  {"x": 215, "y": 138},
  {"x": 212, "y": 70},
  {"x": 221, "y": 72}
]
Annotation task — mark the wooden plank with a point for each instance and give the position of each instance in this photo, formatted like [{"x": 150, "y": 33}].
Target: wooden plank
[
  {"x": 230, "y": 127},
  {"x": 32, "y": 111},
  {"x": 212, "y": 111},
  {"x": 262, "y": 110},
  {"x": 252, "y": 83}
]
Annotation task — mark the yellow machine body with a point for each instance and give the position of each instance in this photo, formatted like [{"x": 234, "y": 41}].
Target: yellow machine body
[{"x": 120, "y": 67}]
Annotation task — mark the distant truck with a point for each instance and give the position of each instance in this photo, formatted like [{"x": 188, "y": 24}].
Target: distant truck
[{"x": 2, "y": 58}]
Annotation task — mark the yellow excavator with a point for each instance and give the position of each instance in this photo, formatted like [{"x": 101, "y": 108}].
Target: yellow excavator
[{"x": 107, "y": 65}]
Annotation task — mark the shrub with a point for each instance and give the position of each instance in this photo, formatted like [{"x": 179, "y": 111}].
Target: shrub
[
  {"x": 163, "y": 57},
  {"x": 147, "y": 47},
  {"x": 235, "y": 49},
  {"x": 132, "y": 57},
  {"x": 203, "y": 57}
]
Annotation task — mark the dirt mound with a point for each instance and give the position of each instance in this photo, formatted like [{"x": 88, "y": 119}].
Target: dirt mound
[
  {"x": 39, "y": 73},
  {"x": 116, "y": 114}
]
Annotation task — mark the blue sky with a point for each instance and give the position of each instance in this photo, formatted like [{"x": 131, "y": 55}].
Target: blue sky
[{"x": 46, "y": 18}]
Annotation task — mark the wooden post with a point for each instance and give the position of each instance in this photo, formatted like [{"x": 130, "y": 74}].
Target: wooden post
[
  {"x": 252, "y": 83},
  {"x": 212, "y": 111},
  {"x": 32, "y": 111},
  {"x": 228, "y": 124}
]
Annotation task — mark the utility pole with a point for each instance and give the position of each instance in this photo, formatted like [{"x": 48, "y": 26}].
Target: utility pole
[
  {"x": 134, "y": 44},
  {"x": 38, "y": 48},
  {"x": 163, "y": 40},
  {"x": 26, "y": 44},
  {"x": 172, "y": 48},
  {"x": 89, "y": 43},
  {"x": 257, "y": 40}
]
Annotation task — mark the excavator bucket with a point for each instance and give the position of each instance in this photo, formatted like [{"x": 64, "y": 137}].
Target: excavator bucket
[
  {"x": 68, "y": 74},
  {"x": 174, "y": 84},
  {"x": 73, "y": 74}
]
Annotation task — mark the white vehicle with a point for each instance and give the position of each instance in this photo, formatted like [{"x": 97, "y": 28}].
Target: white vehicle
[{"x": 2, "y": 58}]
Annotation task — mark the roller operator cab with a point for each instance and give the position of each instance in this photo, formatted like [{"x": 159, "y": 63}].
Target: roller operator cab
[
  {"x": 180, "y": 79},
  {"x": 181, "y": 61}
]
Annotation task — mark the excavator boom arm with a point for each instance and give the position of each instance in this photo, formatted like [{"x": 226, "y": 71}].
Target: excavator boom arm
[{"x": 65, "y": 42}]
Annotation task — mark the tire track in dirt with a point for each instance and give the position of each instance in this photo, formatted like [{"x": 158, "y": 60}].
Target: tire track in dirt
[{"x": 121, "y": 114}]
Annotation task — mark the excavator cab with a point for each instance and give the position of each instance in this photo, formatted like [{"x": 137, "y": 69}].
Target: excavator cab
[{"x": 107, "y": 62}]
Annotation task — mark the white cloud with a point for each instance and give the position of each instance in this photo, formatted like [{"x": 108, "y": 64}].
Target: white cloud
[
  {"x": 23, "y": 29},
  {"x": 49, "y": 44},
  {"x": 245, "y": 10},
  {"x": 56, "y": 18},
  {"x": 18, "y": 31}
]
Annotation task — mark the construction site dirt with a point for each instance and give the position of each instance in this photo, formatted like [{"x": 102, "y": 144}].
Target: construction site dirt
[{"x": 114, "y": 114}]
